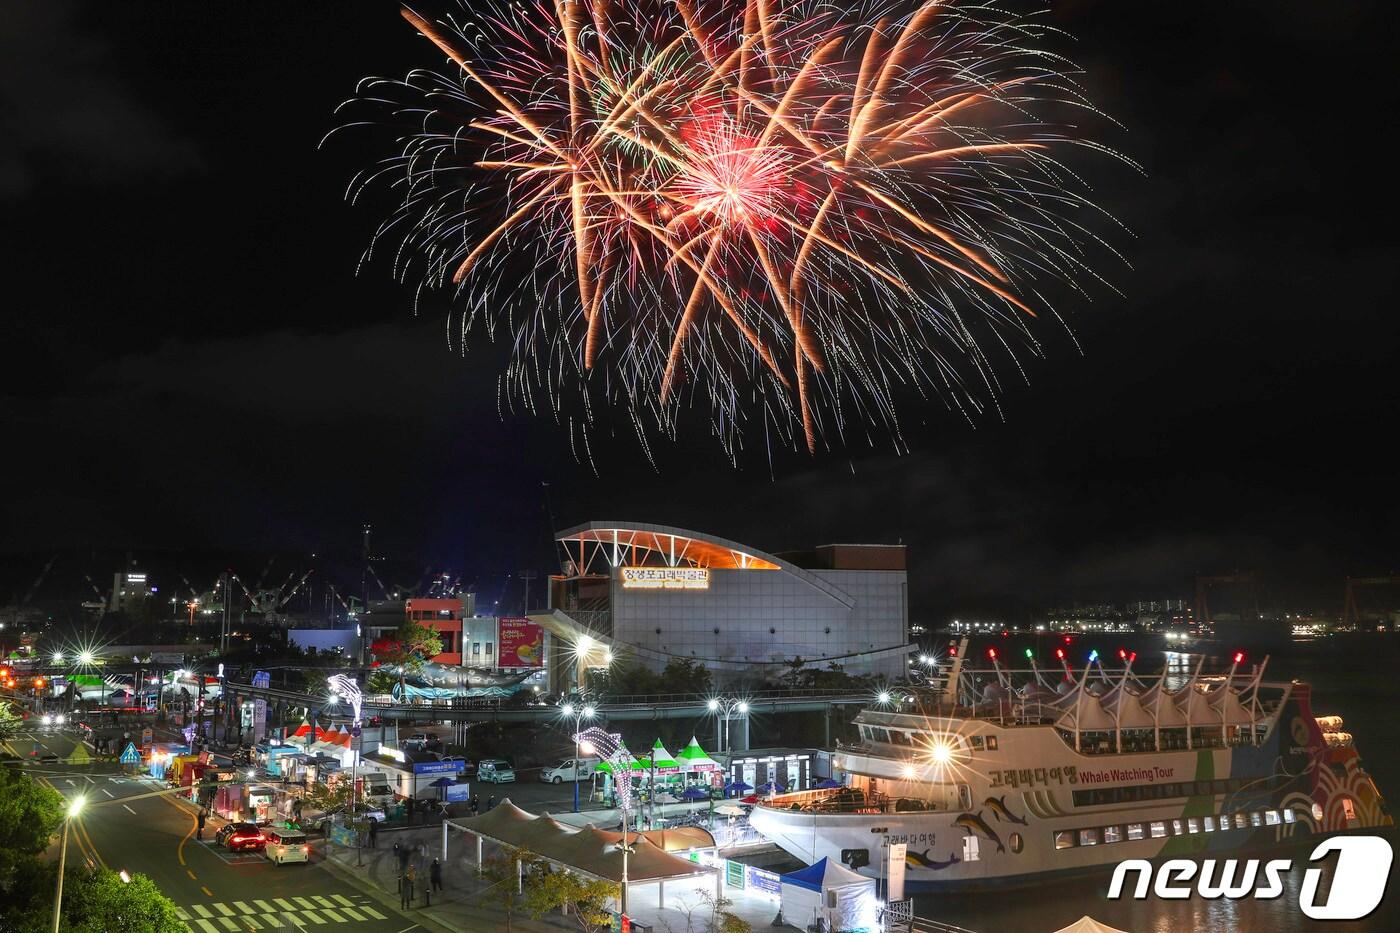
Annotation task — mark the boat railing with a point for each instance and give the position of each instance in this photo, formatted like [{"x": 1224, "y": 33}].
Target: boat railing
[{"x": 847, "y": 800}]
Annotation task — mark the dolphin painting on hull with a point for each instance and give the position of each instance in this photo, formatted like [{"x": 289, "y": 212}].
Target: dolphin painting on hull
[
  {"x": 975, "y": 824},
  {"x": 998, "y": 807}
]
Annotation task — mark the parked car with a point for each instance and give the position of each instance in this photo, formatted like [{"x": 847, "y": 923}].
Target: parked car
[
  {"x": 238, "y": 836},
  {"x": 495, "y": 770},
  {"x": 567, "y": 771},
  {"x": 287, "y": 845}
]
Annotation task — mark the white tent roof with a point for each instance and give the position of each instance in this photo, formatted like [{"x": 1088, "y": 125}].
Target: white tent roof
[
  {"x": 1162, "y": 706},
  {"x": 1130, "y": 712},
  {"x": 1197, "y": 709},
  {"x": 1088, "y": 715},
  {"x": 1226, "y": 702},
  {"x": 1087, "y": 924}
]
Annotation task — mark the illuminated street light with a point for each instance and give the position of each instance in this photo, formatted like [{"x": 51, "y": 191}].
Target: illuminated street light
[
  {"x": 58, "y": 657},
  {"x": 579, "y": 714},
  {"x": 75, "y": 806},
  {"x": 85, "y": 657},
  {"x": 726, "y": 708}
]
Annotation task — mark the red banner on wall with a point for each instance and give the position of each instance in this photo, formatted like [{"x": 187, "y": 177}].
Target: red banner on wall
[{"x": 522, "y": 643}]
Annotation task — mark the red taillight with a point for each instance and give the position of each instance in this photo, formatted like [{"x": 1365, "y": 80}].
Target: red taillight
[{"x": 306, "y": 849}]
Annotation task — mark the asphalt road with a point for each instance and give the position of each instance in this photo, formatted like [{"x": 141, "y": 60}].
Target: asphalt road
[{"x": 215, "y": 890}]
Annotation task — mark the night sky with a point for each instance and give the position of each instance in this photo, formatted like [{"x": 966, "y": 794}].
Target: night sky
[{"x": 190, "y": 359}]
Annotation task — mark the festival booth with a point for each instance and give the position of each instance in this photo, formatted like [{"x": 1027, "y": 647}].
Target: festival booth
[
  {"x": 807, "y": 892},
  {"x": 699, "y": 768}
]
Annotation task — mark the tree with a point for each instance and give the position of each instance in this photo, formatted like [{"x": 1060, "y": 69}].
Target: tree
[
  {"x": 326, "y": 798},
  {"x": 93, "y": 902},
  {"x": 9, "y": 722},
  {"x": 409, "y": 648},
  {"x": 29, "y": 815},
  {"x": 584, "y": 899},
  {"x": 501, "y": 872}
]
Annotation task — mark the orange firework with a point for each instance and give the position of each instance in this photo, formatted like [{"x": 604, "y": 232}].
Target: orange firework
[{"x": 782, "y": 213}]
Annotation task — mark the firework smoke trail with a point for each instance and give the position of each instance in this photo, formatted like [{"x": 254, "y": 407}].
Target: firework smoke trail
[{"x": 789, "y": 214}]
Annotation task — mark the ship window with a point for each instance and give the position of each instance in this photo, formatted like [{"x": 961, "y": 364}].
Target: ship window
[
  {"x": 1222, "y": 787},
  {"x": 1289, "y": 816},
  {"x": 1317, "y": 812},
  {"x": 879, "y": 735},
  {"x": 1256, "y": 818},
  {"x": 1193, "y": 825},
  {"x": 1064, "y": 839},
  {"x": 1135, "y": 831},
  {"x": 1112, "y": 834},
  {"x": 1271, "y": 817},
  {"x": 1088, "y": 837},
  {"x": 1016, "y": 842},
  {"x": 1241, "y": 821},
  {"x": 1209, "y": 822},
  {"x": 1203, "y": 789},
  {"x": 1348, "y": 808},
  {"x": 1176, "y": 827},
  {"x": 1159, "y": 829},
  {"x": 991, "y": 743},
  {"x": 976, "y": 741}
]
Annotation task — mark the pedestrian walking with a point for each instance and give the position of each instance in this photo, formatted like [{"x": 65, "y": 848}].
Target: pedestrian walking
[
  {"x": 373, "y": 833},
  {"x": 410, "y": 810},
  {"x": 435, "y": 874},
  {"x": 409, "y": 878},
  {"x": 475, "y": 804},
  {"x": 199, "y": 826},
  {"x": 490, "y": 803},
  {"x": 404, "y": 896},
  {"x": 404, "y": 853}
]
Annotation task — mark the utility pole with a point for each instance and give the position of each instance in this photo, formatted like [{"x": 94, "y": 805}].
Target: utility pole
[
  {"x": 223, "y": 630},
  {"x": 527, "y": 576}
]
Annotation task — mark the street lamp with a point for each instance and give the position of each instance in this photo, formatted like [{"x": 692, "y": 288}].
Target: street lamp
[
  {"x": 75, "y": 806},
  {"x": 727, "y": 708},
  {"x": 579, "y": 714},
  {"x": 58, "y": 657}
]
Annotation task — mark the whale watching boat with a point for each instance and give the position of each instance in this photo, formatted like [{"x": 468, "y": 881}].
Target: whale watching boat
[{"x": 1005, "y": 776}]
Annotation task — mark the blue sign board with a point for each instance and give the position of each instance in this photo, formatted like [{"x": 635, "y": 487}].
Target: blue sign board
[
  {"x": 129, "y": 755},
  {"x": 765, "y": 881},
  {"x": 436, "y": 767}
]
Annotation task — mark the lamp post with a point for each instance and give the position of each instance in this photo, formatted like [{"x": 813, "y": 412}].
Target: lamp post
[
  {"x": 579, "y": 714},
  {"x": 726, "y": 708},
  {"x": 75, "y": 806},
  {"x": 341, "y": 685}
]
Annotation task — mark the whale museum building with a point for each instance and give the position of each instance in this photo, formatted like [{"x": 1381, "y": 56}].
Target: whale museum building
[{"x": 658, "y": 593}]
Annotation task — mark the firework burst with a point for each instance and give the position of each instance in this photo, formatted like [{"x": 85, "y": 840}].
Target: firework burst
[{"x": 779, "y": 212}]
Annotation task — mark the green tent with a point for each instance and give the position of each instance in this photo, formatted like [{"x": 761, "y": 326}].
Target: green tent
[
  {"x": 693, "y": 758},
  {"x": 661, "y": 760}
]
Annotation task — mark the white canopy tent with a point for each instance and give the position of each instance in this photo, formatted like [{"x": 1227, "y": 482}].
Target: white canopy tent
[
  {"x": 1087, "y": 924},
  {"x": 805, "y": 897}
]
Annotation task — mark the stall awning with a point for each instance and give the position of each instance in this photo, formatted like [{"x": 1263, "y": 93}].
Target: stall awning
[{"x": 693, "y": 758}]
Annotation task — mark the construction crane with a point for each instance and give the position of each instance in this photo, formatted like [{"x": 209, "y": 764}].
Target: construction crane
[
  {"x": 1351, "y": 615},
  {"x": 38, "y": 581},
  {"x": 1204, "y": 584}
]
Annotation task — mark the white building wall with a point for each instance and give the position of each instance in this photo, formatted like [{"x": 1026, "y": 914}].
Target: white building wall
[{"x": 762, "y": 617}]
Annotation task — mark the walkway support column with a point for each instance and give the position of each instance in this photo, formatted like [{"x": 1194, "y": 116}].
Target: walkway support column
[{"x": 478, "y": 854}]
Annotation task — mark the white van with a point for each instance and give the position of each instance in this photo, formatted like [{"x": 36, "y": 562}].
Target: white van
[
  {"x": 376, "y": 787},
  {"x": 569, "y": 770},
  {"x": 287, "y": 845}
]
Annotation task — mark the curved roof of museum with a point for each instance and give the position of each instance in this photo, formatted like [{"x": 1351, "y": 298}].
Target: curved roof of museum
[{"x": 673, "y": 546}]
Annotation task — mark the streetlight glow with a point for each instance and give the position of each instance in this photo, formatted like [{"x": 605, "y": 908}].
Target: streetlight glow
[
  {"x": 743, "y": 706},
  {"x": 713, "y": 705},
  {"x": 941, "y": 753},
  {"x": 588, "y": 712},
  {"x": 884, "y": 696},
  {"x": 58, "y": 657},
  {"x": 568, "y": 709},
  {"x": 75, "y": 806},
  {"x": 85, "y": 657}
]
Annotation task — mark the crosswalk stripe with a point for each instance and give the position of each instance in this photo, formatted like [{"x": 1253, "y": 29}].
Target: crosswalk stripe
[
  {"x": 284, "y": 903},
  {"x": 343, "y": 900},
  {"x": 352, "y": 913},
  {"x": 203, "y": 911},
  {"x": 264, "y": 906},
  {"x": 304, "y": 904},
  {"x": 293, "y": 919},
  {"x": 243, "y": 907},
  {"x": 373, "y": 913},
  {"x": 206, "y": 926},
  {"x": 252, "y": 922},
  {"x": 312, "y": 915},
  {"x": 182, "y": 913},
  {"x": 333, "y": 915},
  {"x": 323, "y": 901},
  {"x": 273, "y": 921},
  {"x": 224, "y": 909},
  {"x": 229, "y": 924}
]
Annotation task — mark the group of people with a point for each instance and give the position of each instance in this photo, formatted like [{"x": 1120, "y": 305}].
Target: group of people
[
  {"x": 408, "y": 861},
  {"x": 475, "y": 804}
]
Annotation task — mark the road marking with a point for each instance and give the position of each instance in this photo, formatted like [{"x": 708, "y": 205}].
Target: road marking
[
  {"x": 243, "y": 906},
  {"x": 182, "y": 913},
  {"x": 224, "y": 909},
  {"x": 376, "y": 914},
  {"x": 294, "y": 920},
  {"x": 323, "y": 901},
  {"x": 314, "y": 916},
  {"x": 304, "y": 904},
  {"x": 193, "y": 876},
  {"x": 252, "y": 923},
  {"x": 127, "y": 808},
  {"x": 69, "y": 782},
  {"x": 203, "y": 911},
  {"x": 284, "y": 903},
  {"x": 342, "y": 899},
  {"x": 333, "y": 915},
  {"x": 207, "y": 892},
  {"x": 229, "y": 924},
  {"x": 351, "y": 913},
  {"x": 108, "y": 793},
  {"x": 206, "y": 926},
  {"x": 264, "y": 906}
]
